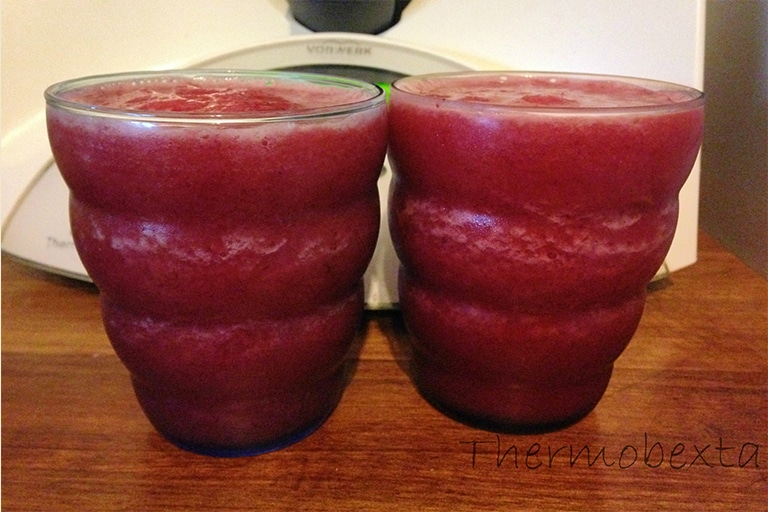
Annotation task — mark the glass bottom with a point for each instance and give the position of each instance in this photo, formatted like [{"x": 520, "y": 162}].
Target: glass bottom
[
  {"x": 226, "y": 426},
  {"x": 260, "y": 449},
  {"x": 502, "y": 426},
  {"x": 511, "y": 408}
]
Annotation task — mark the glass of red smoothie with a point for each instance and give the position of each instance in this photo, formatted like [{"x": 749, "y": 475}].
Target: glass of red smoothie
[
  {"x": 529, "y": 212},
  {"x": 227, "y": 219}
]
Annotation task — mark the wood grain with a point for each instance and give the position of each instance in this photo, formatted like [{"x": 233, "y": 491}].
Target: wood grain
[{"x": 692, "y": 386}]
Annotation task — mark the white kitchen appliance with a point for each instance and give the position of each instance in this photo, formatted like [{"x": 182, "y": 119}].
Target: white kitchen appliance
[{"x": 49, "y": 41}]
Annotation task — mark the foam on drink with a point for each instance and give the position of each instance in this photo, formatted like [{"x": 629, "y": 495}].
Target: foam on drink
[
  {"x": 562, "y": 92},
  {"x": 215, "y": 95}
]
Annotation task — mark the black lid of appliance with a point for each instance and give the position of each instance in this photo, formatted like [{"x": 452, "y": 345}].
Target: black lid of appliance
[{"x": 362, "y": 16}]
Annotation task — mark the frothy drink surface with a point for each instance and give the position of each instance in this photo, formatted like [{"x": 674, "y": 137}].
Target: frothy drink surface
[
  {"x": 215, "y": 95},
  {"x": 521, "y": 91}
]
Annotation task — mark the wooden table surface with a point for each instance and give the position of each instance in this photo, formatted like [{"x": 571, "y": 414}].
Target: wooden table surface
[{"x": 683, "y": 425}]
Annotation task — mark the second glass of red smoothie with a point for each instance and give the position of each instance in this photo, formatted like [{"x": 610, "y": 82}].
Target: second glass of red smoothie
[
  {"x": 227, "y": 219},
  {"x": 529, "y": 212}
]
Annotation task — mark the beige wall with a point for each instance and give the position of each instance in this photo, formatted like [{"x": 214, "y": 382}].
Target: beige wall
[{"x": 734, "y": 179}]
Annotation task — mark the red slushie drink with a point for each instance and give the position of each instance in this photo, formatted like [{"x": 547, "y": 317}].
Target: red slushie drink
[
  {"x": 529, "y": 212},
  {"x": 227, "y": 220}
]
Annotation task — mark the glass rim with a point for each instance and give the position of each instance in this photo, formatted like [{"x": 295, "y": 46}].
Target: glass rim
[
  {"x": 53, "y": 97},
  {"x": 695, "y": 100}
]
